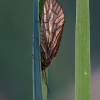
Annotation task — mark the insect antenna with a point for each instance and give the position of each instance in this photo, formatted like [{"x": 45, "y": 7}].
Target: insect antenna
[{"x": 45, "y": 79}]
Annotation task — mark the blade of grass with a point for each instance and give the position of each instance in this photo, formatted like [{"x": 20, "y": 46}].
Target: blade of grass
[
  {"x": 37, "y": 87},
  {"x": 82, "y": 51},
  {"x": 44, "y": 87}
]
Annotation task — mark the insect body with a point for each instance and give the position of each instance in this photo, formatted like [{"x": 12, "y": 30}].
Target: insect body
[{"x": 52, "y": 23}]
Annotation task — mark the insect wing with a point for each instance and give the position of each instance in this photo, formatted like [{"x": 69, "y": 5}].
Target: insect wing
[{"x": 52, "y": 23}]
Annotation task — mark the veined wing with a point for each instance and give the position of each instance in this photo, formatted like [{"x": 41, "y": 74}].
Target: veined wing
[{"x": 52, "y": 23}]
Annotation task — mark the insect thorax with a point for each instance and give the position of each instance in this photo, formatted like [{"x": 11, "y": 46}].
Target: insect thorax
[{"x": 45, "y": 64}]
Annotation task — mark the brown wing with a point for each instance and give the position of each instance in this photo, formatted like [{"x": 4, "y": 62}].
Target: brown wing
[{"x": 52, "y": 23}]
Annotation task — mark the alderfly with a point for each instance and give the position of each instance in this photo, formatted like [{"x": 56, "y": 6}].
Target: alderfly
[{"x": 52, "y": 23}]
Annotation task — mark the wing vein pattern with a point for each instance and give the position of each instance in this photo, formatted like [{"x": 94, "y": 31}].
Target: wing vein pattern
[{"x": 52, "y": 23}]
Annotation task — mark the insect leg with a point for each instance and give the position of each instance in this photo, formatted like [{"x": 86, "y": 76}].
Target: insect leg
[{"x": 35, "y": 57}]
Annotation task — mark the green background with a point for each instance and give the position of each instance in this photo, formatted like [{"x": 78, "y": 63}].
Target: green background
[{"x": 16, "y": 17}]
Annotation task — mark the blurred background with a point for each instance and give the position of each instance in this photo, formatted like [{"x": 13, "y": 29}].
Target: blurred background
[{"x": 16, "y": 47}]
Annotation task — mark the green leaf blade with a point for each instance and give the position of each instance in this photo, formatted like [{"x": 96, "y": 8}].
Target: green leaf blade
[
  {"x": 36, "y": 69},
  {"x": 82, "y": 51}
]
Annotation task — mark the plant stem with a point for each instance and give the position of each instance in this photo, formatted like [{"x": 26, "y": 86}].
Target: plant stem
[
  {"x": 82, "y": 51},
  {"x": 37, "y": 87}
]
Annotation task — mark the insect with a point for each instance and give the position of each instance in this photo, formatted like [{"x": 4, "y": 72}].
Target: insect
[{"x": 52, "y": 23}]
